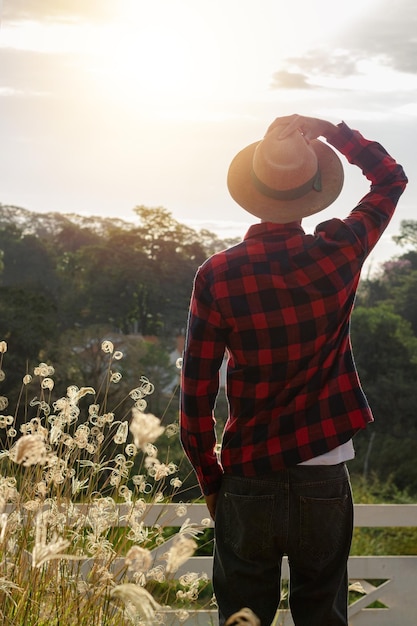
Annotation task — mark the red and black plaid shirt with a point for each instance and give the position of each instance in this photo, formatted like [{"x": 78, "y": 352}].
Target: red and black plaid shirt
[{"x": 279, "y": 305}]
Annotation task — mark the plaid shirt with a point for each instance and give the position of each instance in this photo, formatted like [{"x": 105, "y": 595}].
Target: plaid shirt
[{"x": 279, "y": 305}]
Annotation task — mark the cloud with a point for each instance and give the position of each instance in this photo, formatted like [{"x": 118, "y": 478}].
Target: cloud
[
  {"x": 58, "y": 10},
  {"x": 388, "y": 33},
  {"x": 289, "y": 80},
  {"x": 385, "y": 36}
]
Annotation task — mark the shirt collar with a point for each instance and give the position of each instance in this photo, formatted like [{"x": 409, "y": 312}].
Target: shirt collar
[{"x": 271, "y": 228}]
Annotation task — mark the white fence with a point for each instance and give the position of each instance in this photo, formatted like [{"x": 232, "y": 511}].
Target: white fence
[
  {"x": 390, "y": 580},
  {"x": 396, "y": 575}
]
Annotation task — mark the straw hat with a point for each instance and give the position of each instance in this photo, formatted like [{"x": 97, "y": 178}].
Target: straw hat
[
  {"x": 284, "y": 180},
  {"x": 244, "y": 617}
]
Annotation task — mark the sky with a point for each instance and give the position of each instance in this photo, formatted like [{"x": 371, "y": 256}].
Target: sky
[{"x": 110, "y": 104}]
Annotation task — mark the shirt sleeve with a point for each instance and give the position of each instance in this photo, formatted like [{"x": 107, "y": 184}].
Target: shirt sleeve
[
  {"x": 203, "y": 357},
  {"x": 368, "y": 220}
]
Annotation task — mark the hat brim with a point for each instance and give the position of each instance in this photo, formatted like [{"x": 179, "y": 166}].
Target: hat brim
[{"x": 243, "y": 191}]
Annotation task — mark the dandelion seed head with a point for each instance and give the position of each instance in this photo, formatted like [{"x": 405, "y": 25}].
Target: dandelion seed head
[
  {"x": 145, "y": 428},
  {"x": 182, "y": 549},
  {"x": 138, "y": 559},
  {"x": 151, "y": 450},
  {"x": 29, "y": 450},
  {"x": 139, "y": 597}
]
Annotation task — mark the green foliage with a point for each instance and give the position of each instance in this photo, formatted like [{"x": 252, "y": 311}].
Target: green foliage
[{"x": 382, "y": 541}]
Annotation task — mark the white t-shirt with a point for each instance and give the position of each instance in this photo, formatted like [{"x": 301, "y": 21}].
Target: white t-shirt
[{"x": 342, "y": 453}]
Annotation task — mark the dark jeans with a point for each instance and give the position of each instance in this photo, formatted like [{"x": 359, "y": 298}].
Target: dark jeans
[{"x": 305, "y": 512}]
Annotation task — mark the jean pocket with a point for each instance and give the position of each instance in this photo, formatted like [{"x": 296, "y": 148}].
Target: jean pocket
[
  {"x": 324, "y": 527},
  {"x": 248, "y": 524}
]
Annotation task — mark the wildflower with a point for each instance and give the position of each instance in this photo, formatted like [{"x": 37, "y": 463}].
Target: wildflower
[
  {"x": 158, "y": 470},
  {"x": 182, "y": 615},
  {"x": 118, "y": 355},
  {"x": 131, "y": 449},
  {"x": 176, "y": 483},
  {"x": 8, "y": 491},
  {"x": 99, "y": 547},
  {"x": 181, "y": 510},
  {"x": 53, "y": 550},
  {"x": 145, "y": 428},
  {"x": 139, "y": 597},
  {"x": 138, "y": 559},
  {"x": 8, "y": 586},
  {"x": 102, "y": 515},
  {"x": 115, "y": 377},
  {"x": 78, "y": 485},
  {"x": 3, "y": 526},
  {"x": 3, "y": 347},
  {"x": 157, "y": 573},
  {"x": 121, "y": 434},
  {"x": 182, "y": 549},
  {"x": 6, "y": 420},
  {"x": 47, "y": 383},
  {"x": 30, "y": 450},
  {"x": 191, "y": 582},
  {"x": 27, "y": 379},
  {"x": 141, "y": 405},
  {"x": 107, "y": 347},
  {"x": 43, "y": 551},
  {"x": 126, "y": 494},
  {"x": 190, "y": 529},
  {"x": 44, "y": 370},
  {"x": 171, "y": 430},
  {"x": 2, "y": 375},
  {"x": 3, "y": 403},
  {"x": 178, "y": 363}
]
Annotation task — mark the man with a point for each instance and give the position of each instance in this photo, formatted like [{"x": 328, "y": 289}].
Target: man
[{"x": 279, "y": 304}]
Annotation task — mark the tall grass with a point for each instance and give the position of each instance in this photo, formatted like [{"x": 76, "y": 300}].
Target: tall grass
[{"x": 67, "y": 466}]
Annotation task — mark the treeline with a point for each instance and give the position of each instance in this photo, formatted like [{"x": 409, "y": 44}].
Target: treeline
[{"x": 69, "y": 282}]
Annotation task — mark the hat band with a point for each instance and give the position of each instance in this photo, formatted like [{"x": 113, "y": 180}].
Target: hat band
[{"x": 313, "y": 183}]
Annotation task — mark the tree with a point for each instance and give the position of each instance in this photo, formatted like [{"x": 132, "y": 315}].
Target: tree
[{"x": 385, "y": 351}]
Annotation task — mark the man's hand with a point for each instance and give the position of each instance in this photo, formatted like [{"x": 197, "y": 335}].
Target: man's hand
[
  {"x": 211, "y": 502},
  {"x": 310, "y": 127}
]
